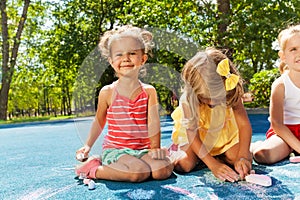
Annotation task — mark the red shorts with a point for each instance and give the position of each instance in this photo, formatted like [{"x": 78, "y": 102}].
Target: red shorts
[{"x": 294, "y": 128}]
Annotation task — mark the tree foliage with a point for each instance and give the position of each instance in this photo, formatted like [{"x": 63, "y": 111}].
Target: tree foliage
[
  {"x": 253, "y": 30},
  {"x": 260, "y": 87},
  {"x": 60, "y": 69}
]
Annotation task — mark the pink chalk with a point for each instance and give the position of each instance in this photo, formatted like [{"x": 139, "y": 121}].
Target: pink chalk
[
  {"x": 295, "y": 159},
  {"x": 259, "y": 179}
]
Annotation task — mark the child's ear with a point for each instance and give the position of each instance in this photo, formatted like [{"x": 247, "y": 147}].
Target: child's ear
[
  {"x": 144, "y": 58},
  {"x": 281, "y": 55}
]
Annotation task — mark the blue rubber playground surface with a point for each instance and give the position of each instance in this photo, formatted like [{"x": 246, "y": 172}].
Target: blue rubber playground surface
[{"x": 38, "y": 160}]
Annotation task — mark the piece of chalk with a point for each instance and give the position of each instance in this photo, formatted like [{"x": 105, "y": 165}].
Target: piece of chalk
[
  {"x": 91, "y": 185},
  {"x": 259, "y": 179},
  {"x": 80, "y": 157},
  {"x": 295, "y": 159},
  {"x": 82, "y": 176},
  {"x": 86, "y": 181}
]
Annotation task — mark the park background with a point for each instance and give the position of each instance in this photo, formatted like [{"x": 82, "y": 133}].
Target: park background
[{"x": 51, "y": 66}]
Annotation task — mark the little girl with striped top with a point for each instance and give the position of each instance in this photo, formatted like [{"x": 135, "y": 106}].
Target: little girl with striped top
[{"x": 131, "y": 147}]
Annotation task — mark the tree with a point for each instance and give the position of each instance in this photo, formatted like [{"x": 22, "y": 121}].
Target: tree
[
  {"x": 9, "y": 53},
  {"x": 224, "y": 12},
  {"x": 260, "y": 87},
  {"x": 254, "y": 28},
  {"x": 68, "y": 69}
]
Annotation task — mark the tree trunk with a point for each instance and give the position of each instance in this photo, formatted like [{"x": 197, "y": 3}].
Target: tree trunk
[
  {"x": 224, "y": 10},
  {"x": 8, "y": 63},
  {"x": 224, "y": 16}
]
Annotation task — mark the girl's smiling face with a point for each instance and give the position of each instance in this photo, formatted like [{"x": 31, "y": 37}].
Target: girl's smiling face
[{"x": 126, "y": 55}]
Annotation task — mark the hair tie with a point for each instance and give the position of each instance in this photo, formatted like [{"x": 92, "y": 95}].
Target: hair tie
[{"x": 223, "y": 69}]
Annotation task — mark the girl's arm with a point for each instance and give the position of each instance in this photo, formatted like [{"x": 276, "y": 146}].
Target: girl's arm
[
  {"x": 100, "y": 118},
  {"x": 220, "y": 170},
  {"x": 276, "y": 113},
  {"x": 154, "y": 126},
  {"x": 153, "y": 118},
  {"x": 243, "y": 162}
]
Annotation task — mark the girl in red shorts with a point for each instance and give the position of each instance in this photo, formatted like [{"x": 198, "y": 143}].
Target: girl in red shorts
[{"x": 283, "y": 137}]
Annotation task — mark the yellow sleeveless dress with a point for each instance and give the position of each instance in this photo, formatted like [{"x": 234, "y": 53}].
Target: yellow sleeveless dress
[{"x": 217, "y": 129}]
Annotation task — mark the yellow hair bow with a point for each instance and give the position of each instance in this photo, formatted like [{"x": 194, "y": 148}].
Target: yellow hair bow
[{"x": 223, "y": 69}]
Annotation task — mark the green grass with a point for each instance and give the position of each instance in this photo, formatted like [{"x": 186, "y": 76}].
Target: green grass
[{"x": 35, "y": 119}]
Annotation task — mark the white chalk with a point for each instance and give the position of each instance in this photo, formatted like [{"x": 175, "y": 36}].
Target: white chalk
[
  {"x": 91, "y": 185},
  {"x": 86, "y": 181},
  {"x": 82, "y": 176},
  {"x": 295, "y": 159},
  {"x": 259, "y": 179},
  {"x": 80, "y": 157}
]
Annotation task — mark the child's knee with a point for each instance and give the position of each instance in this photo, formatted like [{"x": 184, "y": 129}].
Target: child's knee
[
  {"x": 163, "y": 172},
  {"x": 262, "y": 156},
  {"x": 183, "y": 166},
  {"x": 138, "y": 177},
  {"x": 138, "y": 172}
]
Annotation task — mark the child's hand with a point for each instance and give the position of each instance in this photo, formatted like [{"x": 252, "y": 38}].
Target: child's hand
[
  {"x": 224, "y": 173},
  {"x": 158, "y": 154},
  {"x": 243, "y": 166},
  {"x": 83, "y": 153}
]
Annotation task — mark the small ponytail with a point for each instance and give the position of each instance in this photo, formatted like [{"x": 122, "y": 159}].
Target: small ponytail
[{"x": 283, "y": 67}]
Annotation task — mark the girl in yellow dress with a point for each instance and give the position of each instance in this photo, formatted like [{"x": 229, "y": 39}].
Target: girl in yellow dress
[{"x": 211, "y": 124}]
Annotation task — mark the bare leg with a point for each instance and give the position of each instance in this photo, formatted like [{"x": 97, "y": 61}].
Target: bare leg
[
  {"x": 188, "y": 162},
  {"x": 255, "y": 145},
  {"x": 232, "y": 153},
  {"x": 127, "y": 168},
  {"x": 272, "y": 150}
]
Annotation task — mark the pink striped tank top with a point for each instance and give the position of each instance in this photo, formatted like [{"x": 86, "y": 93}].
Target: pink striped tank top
[{"x": 127, "y": 123}]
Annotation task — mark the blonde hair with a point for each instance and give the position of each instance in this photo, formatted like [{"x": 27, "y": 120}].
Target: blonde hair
[
  {"x": 283, "y": 38},
  {"x": 144, "y": 38},
  {"x": 283, "y": 67},
  {"x": 201, "y": 80}
]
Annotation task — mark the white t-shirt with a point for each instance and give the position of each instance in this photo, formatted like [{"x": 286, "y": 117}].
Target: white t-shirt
[{"x": 291, "y": 110}]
